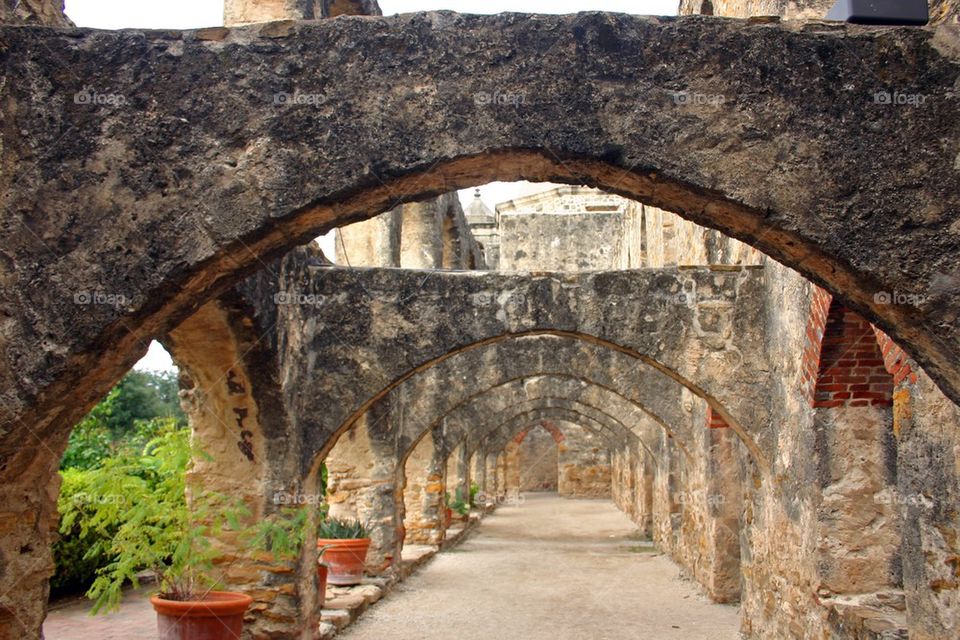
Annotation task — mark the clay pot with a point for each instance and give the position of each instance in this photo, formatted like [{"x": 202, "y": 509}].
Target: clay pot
[
  {"x": 217, "y": 616},
  {"x": 323, "y": 572},
  {"x": 345, "y": 559}
]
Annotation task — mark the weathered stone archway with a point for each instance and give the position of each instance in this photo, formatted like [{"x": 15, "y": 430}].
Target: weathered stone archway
[
  {"x": 263, "y": 190},
  {"x": 165, "y": 203},
  {"x": 661, "y": 318}
]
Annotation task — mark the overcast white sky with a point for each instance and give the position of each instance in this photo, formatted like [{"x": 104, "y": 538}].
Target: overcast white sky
[{"x": 191, "y": 14}]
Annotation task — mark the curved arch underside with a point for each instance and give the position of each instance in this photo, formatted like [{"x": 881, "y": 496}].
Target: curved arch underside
[
  {"x": 162, "y": 200},
  {"x": 500, "y": 435},
  {"x": 472, "y": 419}
]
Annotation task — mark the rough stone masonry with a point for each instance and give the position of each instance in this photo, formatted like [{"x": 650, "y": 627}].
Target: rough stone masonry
[{"x": 790, "y": 443}]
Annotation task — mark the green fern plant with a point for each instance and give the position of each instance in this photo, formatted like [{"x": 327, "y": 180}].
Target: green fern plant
[{"x": 157, "y": 531}]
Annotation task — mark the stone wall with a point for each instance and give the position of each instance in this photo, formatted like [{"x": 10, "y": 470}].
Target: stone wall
[
  {"x": 43, "y": 12},
  {"x": 538, "y": 461},
  {"x": 584, "y": 463},
  {"x": 431, "y": 234},
  {"x": 789, "y": 9},
  {"x": 940, "y": 10},
  {"x": 582, "y": 229},
  {"x": 239, "y": 12}
]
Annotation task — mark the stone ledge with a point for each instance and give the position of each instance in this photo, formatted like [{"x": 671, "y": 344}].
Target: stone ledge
[{"x": 871, "y": 616}]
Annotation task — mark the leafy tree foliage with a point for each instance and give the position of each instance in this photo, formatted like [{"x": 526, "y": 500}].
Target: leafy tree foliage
[{"x": 142, "y": 407}]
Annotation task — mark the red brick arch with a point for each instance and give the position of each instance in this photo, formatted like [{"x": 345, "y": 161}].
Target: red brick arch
[
  {"x": 851, "y": 370},
  {"x": 551, "y": 428}
]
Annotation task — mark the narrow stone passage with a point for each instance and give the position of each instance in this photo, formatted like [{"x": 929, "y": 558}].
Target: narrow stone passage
[{"x": 549, "y": 568}]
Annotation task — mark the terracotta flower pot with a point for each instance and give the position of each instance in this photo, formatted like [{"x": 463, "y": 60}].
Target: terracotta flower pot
[
  {"x": 323, "y": 573},
  {"x": 218, "y": 616},
  {"x": 345, "y": 558}
]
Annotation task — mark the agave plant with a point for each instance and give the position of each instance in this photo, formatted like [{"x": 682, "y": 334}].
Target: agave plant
[{"x": 340, "y": 529}]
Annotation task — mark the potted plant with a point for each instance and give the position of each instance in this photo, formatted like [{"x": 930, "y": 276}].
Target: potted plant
[
  {"x": 460, "y": 507},
  {"x": 160, "y": 533},
  {"x": 344, "y": 544},
  {"x": 447, "y": 510}
]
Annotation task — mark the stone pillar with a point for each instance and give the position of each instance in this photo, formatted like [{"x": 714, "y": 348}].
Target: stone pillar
[
  {"x": 423, "y": 494},
  {"x": 511, "y": 457},
  {"x": 232, "y": 412},
  {"x": 666, "y": 502},
  {"x": 48, "y": 13},
  {"x": 371, "y": 243},
  {"x": 28, "y": 520},
  {"x": 926, "y": 425},
  {"x": 723, "y": 506},
  {"x": 421, "y": 243},
  {"x": 501, "y": 475},
  {"x": 490, "y": 488},
  {"x": 583, "y": 464},
  {"x": 478, "y": 470},
  {"x": 462, "y": 484},
  {"x": 362, "y": 470},
  {"x": 644, "y": 492},
  {"x": 239, "y": 12}
]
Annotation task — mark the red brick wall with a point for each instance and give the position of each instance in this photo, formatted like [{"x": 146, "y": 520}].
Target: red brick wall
[
  {"x": 715, "y": 420},
  {"x": 852, "y": 371},
  {"x": 810, "y": 367},
  {"x": 897, "y": 363},
  {"x": 554, "y": 430}
]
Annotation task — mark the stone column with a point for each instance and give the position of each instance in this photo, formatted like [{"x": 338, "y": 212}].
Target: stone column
[
  {"x": 644, "y": 492},
  {"x": 501, "y": 475},
  {"x": 362, "y": 470},
  {"x": 48, "y": 13},
  {"x": 478, "y": 470},
  {"x": 461, "y": 486},
  {"x": 423, "y": 494},
  {"x": 511, "y": 457},
  {"x": 490, "y": 487},
  {"x": 227, "y": 399},
  {"x": 371, "y": 243},
  {"x": 421, "y": 242},
  {"x": 238, "y": 12},
  {"x": 724, "y": 503}
]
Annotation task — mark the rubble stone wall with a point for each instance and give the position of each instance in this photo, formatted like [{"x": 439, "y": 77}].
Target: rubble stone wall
[{"x": 584, "y": 463}]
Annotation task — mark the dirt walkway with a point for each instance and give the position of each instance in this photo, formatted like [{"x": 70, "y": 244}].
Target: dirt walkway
[{"x": 550, "y": 569}]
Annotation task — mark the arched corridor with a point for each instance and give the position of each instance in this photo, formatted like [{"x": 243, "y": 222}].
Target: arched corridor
[
  {"x": 549, "y": 569},
  {"x": 728, "y": 313}
]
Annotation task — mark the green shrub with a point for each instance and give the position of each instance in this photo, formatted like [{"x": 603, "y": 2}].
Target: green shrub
[
  {"x": 94, "y": 500},
  {"x": 459, "y": 505},
  {"x": 474, "y": 492},
  {"x": 76, "y": 567}
]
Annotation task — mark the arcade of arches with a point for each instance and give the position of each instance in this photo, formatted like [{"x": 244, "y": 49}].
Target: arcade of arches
[{"x": 764, "y": 381}]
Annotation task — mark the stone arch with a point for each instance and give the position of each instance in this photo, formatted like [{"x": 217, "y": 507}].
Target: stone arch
[
  {"x": 239, "y": 189},
  {"x": 549, "y": 427},
  {"x": 420, "y": 487},
  {"x": 470, "y": 418},
  {"x": 242, "y": 218},
  {"x": 459, "y": 312},
  {"x": 502, "y": 431}
]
